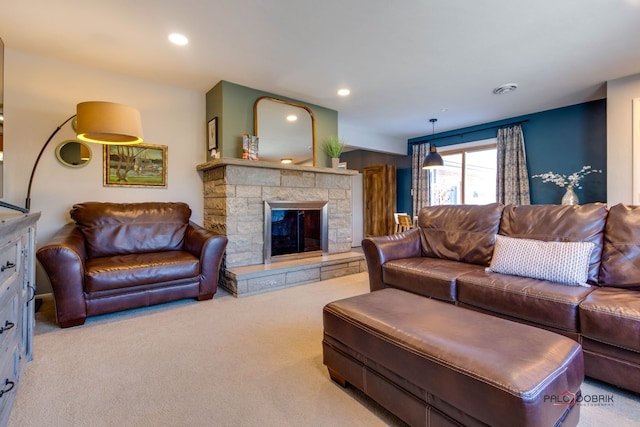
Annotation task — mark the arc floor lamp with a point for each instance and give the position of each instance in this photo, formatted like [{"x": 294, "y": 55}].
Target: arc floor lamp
[{"x": 98, "y": 122}]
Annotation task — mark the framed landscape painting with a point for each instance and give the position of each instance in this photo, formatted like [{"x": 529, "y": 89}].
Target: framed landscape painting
[{"x": 140, "y": 165}]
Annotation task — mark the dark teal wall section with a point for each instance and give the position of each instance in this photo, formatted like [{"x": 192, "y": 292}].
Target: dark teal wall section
[
  {"x": 403, "y": 191},
  {"x": 560, "y": 140}
]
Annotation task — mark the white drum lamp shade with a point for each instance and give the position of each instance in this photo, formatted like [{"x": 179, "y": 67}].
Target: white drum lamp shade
[{"x": 108, "y": 123}]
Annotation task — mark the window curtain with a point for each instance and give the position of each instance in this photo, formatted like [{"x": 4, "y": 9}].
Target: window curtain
[
  {"x": 419, "y": 178},
  {"x": 512, "y": 178}
]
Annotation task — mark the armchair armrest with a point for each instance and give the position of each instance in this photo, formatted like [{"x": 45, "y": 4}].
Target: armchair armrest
[
  {"x": 209, "y": 248},
  {"x": 63, "y": 260},
  {"x": 378, "y": 250}
]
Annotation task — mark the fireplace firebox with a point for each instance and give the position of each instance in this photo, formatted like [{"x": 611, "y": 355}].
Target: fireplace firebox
[{"x": 294, "y": 229}]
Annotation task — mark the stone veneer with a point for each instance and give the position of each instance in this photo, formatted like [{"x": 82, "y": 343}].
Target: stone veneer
[{"x": 234, "y": 194}]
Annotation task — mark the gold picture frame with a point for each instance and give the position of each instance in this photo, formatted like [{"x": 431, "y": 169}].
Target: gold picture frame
[{"x": 140, "y": 165}]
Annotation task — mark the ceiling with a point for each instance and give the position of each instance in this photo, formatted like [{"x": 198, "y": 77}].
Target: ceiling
[{"x": 404, "y": 61}]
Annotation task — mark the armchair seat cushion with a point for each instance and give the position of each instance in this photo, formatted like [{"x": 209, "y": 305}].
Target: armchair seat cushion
[
  {"x": 540, "y": 302},
  {"x": 123, "y": 271}
]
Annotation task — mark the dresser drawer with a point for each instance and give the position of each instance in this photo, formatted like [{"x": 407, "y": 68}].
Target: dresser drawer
[
  {"x": 9, "y": 261},
  {"x": 9, "y": 321},
  {"x": 9, "y": 375}
]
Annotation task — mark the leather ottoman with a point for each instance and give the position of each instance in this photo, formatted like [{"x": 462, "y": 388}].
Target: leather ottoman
[{"x": 434, "y": 364}]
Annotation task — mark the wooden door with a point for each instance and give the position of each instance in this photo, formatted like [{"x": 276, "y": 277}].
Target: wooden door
[{"x": 379, "y": 200}]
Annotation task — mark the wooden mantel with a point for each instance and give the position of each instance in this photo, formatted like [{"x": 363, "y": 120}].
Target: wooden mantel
[{"x": 217, "y": 163}]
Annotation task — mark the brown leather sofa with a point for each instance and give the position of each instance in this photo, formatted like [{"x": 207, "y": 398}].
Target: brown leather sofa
[
  {"x": 117, "y": 256},
  {"x": 446, "y": 255}
]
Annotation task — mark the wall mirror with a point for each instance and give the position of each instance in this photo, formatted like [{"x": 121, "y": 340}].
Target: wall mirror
[
  {"x": 286, "y": 130},
  {"x": 73, "y": 153}
]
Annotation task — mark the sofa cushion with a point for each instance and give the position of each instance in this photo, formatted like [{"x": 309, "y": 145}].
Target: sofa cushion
[
  {"x": 430, "y": 277},
  {"x": 125, "y": 228},
  {"x": 621, "y": 250},
  {"x": 124, "y": 271},
  {"x": 557, "y": 223},
  {"x": 560, "y": 262},
  {"x": 539, "y": 302},
  {"x": 460, "y": 232},
  {"x": 612, "y": 316}
]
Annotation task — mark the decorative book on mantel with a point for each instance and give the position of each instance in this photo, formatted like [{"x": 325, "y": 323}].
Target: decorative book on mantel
[{"x": 249, "y": 147}]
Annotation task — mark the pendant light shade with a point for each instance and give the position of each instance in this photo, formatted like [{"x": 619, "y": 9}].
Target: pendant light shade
[
  {"x": 433, "y": 159},
  {"x": 108, "y": 123}
]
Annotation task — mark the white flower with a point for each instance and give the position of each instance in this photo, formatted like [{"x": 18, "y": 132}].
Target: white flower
[{"x": 571, "y": 181}]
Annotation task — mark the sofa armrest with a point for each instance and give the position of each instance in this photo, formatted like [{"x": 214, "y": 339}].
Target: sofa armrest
[
  {"x": 378, "y": 250},
  {"x": 63, "y": 260},
  {"x": 208, "y": 247}
]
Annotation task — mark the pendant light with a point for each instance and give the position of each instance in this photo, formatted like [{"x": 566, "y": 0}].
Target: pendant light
[{"x": 433, "y": 159}]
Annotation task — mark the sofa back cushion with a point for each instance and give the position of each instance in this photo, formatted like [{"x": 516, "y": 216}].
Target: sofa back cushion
[
  {"x": 621, "y": 251},
  {"x": 558, "y": 223},
  {"x": 127, "y": 228},
  {"x": 460, "y": 232}
]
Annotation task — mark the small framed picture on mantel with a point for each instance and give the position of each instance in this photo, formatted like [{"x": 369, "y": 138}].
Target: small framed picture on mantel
[{"x": 213, "y": 134}]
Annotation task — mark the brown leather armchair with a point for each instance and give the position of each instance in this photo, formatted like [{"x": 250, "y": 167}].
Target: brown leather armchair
[{"x": 117, "y": 256}]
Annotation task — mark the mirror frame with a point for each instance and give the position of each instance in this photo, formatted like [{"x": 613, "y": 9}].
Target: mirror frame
[
  {"x": 71, "y": 165},
  {"x": 293, "y": 104}
]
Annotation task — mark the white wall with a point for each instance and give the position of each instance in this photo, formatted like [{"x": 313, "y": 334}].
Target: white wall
[
  {"x": 41, "y": 93},
  {"x": 360, "y": 138},
  {"x": 620, "y": 95}
]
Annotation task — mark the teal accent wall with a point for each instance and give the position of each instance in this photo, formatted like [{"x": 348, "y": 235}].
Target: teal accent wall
[
  {"x": 561, "y": 140},
  {"x": 233, "y": 105},
  {"x": 403, "y": 191}
]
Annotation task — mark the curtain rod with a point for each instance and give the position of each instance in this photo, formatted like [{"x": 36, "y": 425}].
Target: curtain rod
[{"x": 461, "y": 134}]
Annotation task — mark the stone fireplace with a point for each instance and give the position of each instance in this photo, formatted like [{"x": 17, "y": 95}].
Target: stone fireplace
[{"x": 236, "y": 193}]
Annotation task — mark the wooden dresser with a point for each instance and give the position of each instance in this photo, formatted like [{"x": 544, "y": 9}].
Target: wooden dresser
[{"x": 17, "y": 292}]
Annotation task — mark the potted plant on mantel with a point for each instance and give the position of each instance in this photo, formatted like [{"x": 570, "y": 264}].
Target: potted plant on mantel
[{"x": 333, "y": 146}]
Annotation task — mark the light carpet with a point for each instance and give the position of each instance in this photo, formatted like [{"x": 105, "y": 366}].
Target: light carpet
[{"x": 253, "y": 361}]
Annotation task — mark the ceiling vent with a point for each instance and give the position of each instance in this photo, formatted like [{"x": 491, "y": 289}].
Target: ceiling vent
[{"x": 509, "y": 87}]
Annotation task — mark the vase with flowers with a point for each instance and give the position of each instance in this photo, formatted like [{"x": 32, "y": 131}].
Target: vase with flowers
[{"x": 570, "y": 182}]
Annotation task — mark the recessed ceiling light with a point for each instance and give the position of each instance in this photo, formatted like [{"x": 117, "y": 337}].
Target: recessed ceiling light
[
  {"x": 286, "y": 160},
  {"x": 292, "y": 117},
  {"x": 344, "y": 92},
  {"x": 506, "y": 88},
  {"x": 178, "y": 39}
]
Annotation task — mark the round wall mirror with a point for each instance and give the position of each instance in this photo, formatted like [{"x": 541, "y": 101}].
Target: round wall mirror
[{"x": 73, "y": 153}]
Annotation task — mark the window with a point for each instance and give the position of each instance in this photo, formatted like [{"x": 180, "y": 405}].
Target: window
[{"x": 468, "y": 176}]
